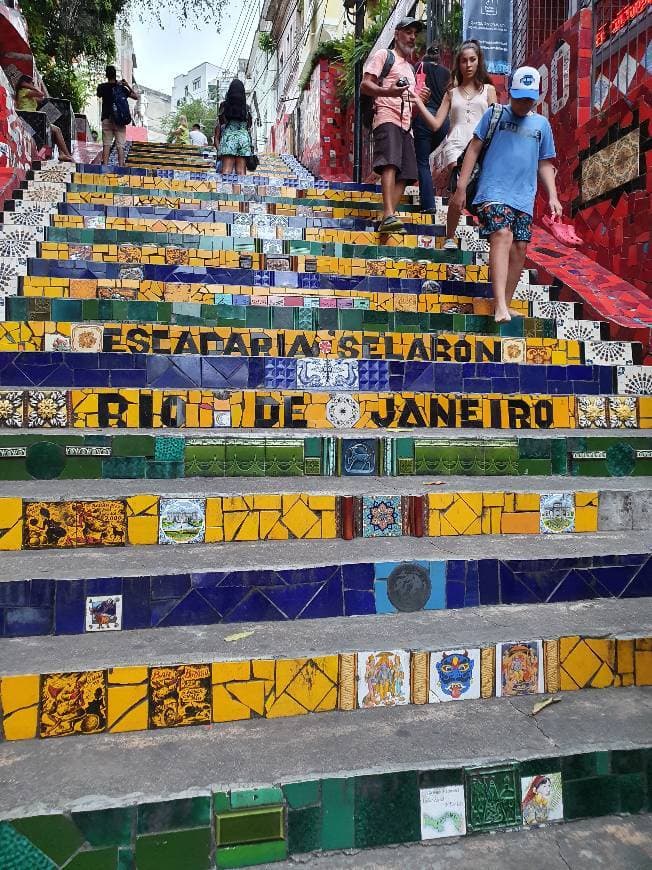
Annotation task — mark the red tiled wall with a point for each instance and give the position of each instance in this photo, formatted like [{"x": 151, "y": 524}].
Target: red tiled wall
[
  {"x": 615, "y": 225},
  {"x": 326, "y": 128},
  {"x": 17, "y": 149}
]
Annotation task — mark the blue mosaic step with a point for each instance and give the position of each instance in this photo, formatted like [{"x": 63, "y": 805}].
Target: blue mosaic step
[{"x": 181, "y": 371}]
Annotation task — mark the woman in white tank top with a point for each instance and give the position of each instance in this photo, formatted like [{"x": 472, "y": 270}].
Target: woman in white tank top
[{"x": 466, "y": 103}]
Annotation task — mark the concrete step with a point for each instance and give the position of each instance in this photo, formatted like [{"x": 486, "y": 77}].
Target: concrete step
[{"x": 173, "y": 797}]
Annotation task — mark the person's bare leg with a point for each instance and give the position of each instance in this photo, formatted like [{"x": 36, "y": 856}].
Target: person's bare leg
[
  {"x": 64, "y": 154},
  {"x": 240, "y": 166},
  {"x": 399, "y": 190},
  {"x": 121, "y": 154},
  {"x": 387, "y": 185},
  {"x": 500, "y": 243},
  {"x": 227, "y": 165},
  {"x": 516, "y": 261},
  {"x": 106, "y": 150}
]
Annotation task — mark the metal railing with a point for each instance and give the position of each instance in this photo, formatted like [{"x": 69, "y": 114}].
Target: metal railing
[{"x": 622, "y": 30}]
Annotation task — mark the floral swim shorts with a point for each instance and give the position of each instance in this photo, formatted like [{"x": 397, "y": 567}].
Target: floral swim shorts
[{"x": 498, "y": 216}]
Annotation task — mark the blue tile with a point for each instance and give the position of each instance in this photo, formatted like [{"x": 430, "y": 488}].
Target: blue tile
[
  {"x": 69, "y": 607},
  {"x": 488, "y": 581},
  {"x": 135, "y": 602},
  {"x": 193, "y": 609},
  {"x": 292, "y": 600},
  {"x": 358, "y": 603},
  {"x": 103, "y": 586},
  {"x": 169, "y": 585},
  {"x": 26, "y": 621},
  {"x": 15, "y": 592},
  {"x": 359, "y": 576}
]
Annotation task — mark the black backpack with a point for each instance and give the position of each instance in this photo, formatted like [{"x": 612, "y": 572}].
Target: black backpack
[
  {"x": 120, "y": 107},
  {"x": 367, "y": 109}
]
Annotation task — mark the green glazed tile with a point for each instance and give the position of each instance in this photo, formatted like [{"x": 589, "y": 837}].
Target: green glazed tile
[
  {"x": 559, "y": 456},
  {"x": 284, "y": 458},
  {"x": 493, "y": 798},
  {"x": 111, "y": 827},
  {"x": 627, "y": 760},
  {"x": 45, "y": 460},
  {"x": 387, "y": 809},
  {"x": 174, "y": 815},
  {"x": 132, "y": 445},
  {"x": 633, "y": 792},
  {"x": 250, "y": 854},
  {"x": 172, "y": 851},
  {"x": 621, "y": 459},
  {"x": 169, "y": 448},
  {"x": 16, "y": 851},
  {"x": 535, "y": 466},
  {"x": 57, "y": 836},
  {"x": 164, "y": 470},
  {"x": 540, "y": 765},
  {"x": 126, "y": 860},
  {"x": 249, "y": 826},
  {"x": 221, "y": 802},
  {"x": 245, "y": 458},
  {"x": 585, "y": 765},
  {"x": 98, "y": 859},
  {"x": 253, "y": 797},
  {"x": 337, "y": 825},
  {"x": 14, "y": 469},
  {"x": 304, "y": 830},
  {"x": 592, "y": 797},
  {"x": 128, "y": 467},
  {"x": 440, "y": 778},
  {"x": 302, "y": 794}
]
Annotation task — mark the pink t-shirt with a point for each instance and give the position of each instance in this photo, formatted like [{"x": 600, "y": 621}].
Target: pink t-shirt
[{"x": 392, "y": 110}]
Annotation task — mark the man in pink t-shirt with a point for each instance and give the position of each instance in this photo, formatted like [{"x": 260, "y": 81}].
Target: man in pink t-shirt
[{"x": 394, "y": 156}]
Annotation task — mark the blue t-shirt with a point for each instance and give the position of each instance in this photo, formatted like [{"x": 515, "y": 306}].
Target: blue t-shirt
[{"x": 509, "y": 168}]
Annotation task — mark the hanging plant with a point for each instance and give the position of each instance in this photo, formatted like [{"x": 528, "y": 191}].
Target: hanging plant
[{"x": 266, "y": 42}]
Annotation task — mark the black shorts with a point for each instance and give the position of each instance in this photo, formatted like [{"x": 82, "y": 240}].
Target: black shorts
[{"x": 394, "y": 146}]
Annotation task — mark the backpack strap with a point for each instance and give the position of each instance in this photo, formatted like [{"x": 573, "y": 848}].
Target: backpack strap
[
  {"x": 389, "y": 63},
  {"x": 493, "y": 126}
]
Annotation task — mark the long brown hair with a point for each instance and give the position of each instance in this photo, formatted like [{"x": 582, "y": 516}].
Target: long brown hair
[{"x": 481, "y": 76}]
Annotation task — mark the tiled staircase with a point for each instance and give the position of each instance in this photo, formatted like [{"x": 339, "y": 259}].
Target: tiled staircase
[{"x": 234, "y": 418}]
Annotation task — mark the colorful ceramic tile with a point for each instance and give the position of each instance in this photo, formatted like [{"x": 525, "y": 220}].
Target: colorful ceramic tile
[
  {"x": 73, "y": 703},
  {"x": 342, "y": 411},
  {"x": 622, "y": 412},
  {"x": 182, "y": 520},
  {"x": 11, "y": 409},
  {"x": 454, "y": 675},
  {"x": 634, "y": 380},
  {"x": 383, "y": 678},
  {"x": 381, "y": 516},
  {"x": 519, "y": 668},
  {"x": 104, "y": 613},
  {"x": 542, "y": 800},
  {"x": 592, "y": 412},
  {"x": 86, "y": 338},
  {"x": 557, "y": 512},
  {"x": 47, "y": 408},
  {"x": 443, "y": 812},
  {"x": 56, "y": 341},
  {"x": 74, "y": 524},
  {"x": 180, "y": 695}
]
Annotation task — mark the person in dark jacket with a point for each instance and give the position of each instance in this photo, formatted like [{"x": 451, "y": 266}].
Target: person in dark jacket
[{"x": 425, "y": 141}]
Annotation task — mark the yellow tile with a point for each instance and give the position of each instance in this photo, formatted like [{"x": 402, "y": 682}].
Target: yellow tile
[
  {"x": 267, "y": 502},
  {"x": 526, "y": 523},
  {"x": 586, "y": 519},
  {"x": 11, "y": 523},
  {"x": 263, "y": 668},
  {"x": 527, "y": 501},
  {"x": 321, "y": 502},
  {"x": 299, "y": 519},
  {"x": 226, "y": 708},
  {"x": 643, "y": 667},
  {"x": 214, "y": 521},
  {"x": 128, "y": 703},
  {"x": 20, "y": 698},
  {"x": 250, "y": 693}
]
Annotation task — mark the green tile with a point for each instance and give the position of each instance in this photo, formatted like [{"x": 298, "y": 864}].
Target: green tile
[
  {"x": 439, "y": 778},
  {"x": 247, "y": 856},
  {"x": 535, "y": 448},
  {"x": 249, "y": 826},
  {"x": 387, "y": 809},
  {"x": 559, "y": 456},
  {"x": 253, "y": 797},
  {"x": 17, "y": 853},
  {"x": 98, "y": 859},
  {"x": 621, "y": 459},
  {"x": 127, "y": 467},
  {"x": 174, "y": 815},
  {"x": 304, "y": 830},
  {"x": 132, "y": 445},
  {"x": 535, "y": 467},
  {"x": 110, "y": 827},
  {"x": 337, "y": 824},
  {"x": 536, "y": 766},
  {"x": 628, "y": 760},
  {"x": 493, "y": 798},
  {"x": 633, "y": 792},
  {"x": 169, "y": 448},
  {"x": 126, "y": 860},
  {"x": 57, "y": 836},
  {"x": 172, "y": 851},
  {"x": 585, "y": 765},
  {"x": 302, "y": 794},
  {"x": 164, "y": 470},
  {"x": 221, "y": 802},
  {"x": 206, "y": 460},
  {"x": 594, "y": 796},
  {"x": 284, "y": 458}
]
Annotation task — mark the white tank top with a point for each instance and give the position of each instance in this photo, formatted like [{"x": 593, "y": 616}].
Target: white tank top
[{"x": 465, "y": 114}]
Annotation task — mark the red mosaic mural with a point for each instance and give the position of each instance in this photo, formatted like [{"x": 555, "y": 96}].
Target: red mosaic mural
[{"x": 325, "y": 130}]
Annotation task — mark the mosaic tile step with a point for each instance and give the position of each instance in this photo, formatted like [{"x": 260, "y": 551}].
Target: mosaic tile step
[
  {"x": 46, "y": 692},
  {"x": 440, "y": 346},
  {"x": 92, "y": 407},
  {"x": 47, "y": 456},
  {"x": 46, "y": 521},
  {"x": 410, "y": 581},
  {"x": 288, "y": 810}
]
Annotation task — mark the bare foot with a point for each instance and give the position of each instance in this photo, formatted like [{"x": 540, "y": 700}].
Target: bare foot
[
  {"x": 502, "y": 316},
  {"x": 514, "y": 312}
]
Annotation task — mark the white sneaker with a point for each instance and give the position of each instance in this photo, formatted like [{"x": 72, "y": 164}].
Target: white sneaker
[{"x": 450, "y": 245}]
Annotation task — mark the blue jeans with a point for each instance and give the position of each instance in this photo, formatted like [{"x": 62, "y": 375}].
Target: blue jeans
[{"x": 425, "y": 142}]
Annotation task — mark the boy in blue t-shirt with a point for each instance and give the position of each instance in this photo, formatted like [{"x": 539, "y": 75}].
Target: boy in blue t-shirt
[{"x": 521, "y": 149}]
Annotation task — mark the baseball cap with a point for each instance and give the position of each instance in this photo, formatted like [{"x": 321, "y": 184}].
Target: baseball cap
[
  {"x": 404, "y": 23},
  {"x": 525, "y": 85}
]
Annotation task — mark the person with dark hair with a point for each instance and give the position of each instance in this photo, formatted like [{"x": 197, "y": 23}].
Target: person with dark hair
[
  {"x": 426, "y": 140},
  {"x": 28, "y": 99},
  {"x": 115, "y": 113},
  {"x": 232, "y": 134},
  {"x": 469, "y": 96}
]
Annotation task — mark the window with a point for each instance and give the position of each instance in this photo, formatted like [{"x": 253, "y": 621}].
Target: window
[
  {"x": 196, "y": 83},
  {"x": 185, "y": 91}
]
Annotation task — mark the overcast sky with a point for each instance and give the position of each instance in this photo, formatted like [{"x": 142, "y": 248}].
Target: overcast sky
[{"x": 163, "y": 53}]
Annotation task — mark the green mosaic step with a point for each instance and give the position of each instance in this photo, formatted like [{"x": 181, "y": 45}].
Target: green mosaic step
[{"x": 48, "y": 455}]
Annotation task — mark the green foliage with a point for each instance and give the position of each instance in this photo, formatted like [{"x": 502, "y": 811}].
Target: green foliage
[
  {"x": 266, "y": 42},
  {"x": 196, "y": 112},
  {"x": 345, "y": 52},
  {"x": 451, "y": 28}
]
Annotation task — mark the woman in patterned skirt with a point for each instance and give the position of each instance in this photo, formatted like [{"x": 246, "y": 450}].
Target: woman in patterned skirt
[{"x": 232, "y": 136}]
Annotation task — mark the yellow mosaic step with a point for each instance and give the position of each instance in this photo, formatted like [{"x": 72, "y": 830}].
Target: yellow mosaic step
[
  {"x": 186, "y": 683},
  {"x": 207, "y": 293},
  {"x": 40, "y": 335}
]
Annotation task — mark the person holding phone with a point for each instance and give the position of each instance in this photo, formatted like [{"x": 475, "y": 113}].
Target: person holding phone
[{"x": 394, "y": 157}]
